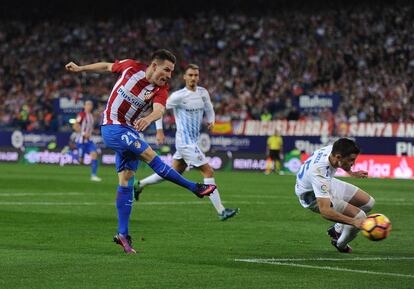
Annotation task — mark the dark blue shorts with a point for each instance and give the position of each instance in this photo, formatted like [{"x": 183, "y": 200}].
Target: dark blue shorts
[
  {"x": 85, "y": 148},
  {"x": 126, "y": 143}
]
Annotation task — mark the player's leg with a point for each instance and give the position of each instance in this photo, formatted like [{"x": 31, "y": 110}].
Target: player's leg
[
  {"x": 126, "y": 165},
  {"x": 124, "y": 203},
  {"x": 278, "y": 162},
  {"x": 352, "y": 195},
  {"x": 142, "y": 150},
  {"x": 343, "y": 193},
  {"x": 224, "y": 213},
  {"x": 178, "y": 164},
  {"x": 208, "y": 175},
  {"x": 349, "y": 232},
  {"x": 269, "y": 164},
  {"x": 362, "y": 200},
  {"x": 81, "y": 151},
  {"x": 94, "y": 161},
  {"x": 168, "y": 173}
]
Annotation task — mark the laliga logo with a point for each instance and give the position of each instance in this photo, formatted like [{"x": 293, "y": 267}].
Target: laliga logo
[
  {"x": 375, "y": 170},
  {"x": 403, "y": 171}
]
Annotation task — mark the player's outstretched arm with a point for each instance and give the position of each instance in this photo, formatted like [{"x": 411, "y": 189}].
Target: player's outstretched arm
[
  {"x": 327, "y": 212},
  {"x": 358, "y": 174},
  {"x": 94, "y": 67}
]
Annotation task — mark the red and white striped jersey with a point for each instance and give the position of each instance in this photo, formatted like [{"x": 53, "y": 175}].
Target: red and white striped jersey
[
  {"x": 132, "y": 95},
  {"x": 86, "y": 122}
]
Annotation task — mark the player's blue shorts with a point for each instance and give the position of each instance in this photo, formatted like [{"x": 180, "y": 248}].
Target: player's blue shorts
[
  {"x": 85, "y": 148},
  {"x": 127, "y": 144}
]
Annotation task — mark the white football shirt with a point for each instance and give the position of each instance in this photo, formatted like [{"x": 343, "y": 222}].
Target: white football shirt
[
  {"x": 315, "y": 175},
  {"x": 189, "y": 107}
]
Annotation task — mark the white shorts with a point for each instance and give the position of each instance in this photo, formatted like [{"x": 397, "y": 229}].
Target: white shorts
[
  {"x": 191, "y": 154},
  {"x": 341, "y": 193}
]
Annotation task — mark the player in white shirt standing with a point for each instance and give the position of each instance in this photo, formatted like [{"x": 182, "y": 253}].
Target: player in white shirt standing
[
  {"x": 334, "y": 199},
  {"x": 189, "y": 105}
]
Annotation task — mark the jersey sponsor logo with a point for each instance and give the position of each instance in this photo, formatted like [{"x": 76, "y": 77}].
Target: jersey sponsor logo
[
  {"x": 136, "y": 101},
  {"x": 137, "y": 144},
  {"x": 194, "y": 109}
]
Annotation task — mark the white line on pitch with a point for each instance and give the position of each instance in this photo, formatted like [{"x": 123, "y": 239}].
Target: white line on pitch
[
  {"x": 329, "y": 268},
  {"x": 41, "y": 194},
  {"x": 96, "y": 204},
  {"x": 325, "y": 259}
]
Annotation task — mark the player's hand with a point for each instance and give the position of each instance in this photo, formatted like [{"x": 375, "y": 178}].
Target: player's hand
[
  {"x": 73, "y": 67},
  {"x": 160, "y": 137},
  {"x": 141, "y": 124},
  {"x": 360, "y": 174},
  {"x": 210, "y": 125}
]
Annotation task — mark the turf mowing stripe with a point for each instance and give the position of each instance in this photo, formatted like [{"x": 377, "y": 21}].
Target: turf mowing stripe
[
  {"x": 40, "y": 194},
  {"x": 325, "y": 268},
  {"x": 327, "y": 259},
  {"x": 141, "y": 203}
]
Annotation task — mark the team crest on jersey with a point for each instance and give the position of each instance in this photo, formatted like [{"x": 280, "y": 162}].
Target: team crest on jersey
[
  {"x": 148, "y": 95},
  {"x": 137, "y": 144},
  {"x": 324, "y": 188}
]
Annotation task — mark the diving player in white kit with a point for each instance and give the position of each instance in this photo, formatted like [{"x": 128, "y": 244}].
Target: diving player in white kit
[
  {"x": 189, "y": 105},
  {"x": 335, "y": 200}
]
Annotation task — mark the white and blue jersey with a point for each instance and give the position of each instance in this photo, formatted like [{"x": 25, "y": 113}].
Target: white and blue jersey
[
  {"x": 189, "y": 107},
  {"x": 315, "y": 175}
]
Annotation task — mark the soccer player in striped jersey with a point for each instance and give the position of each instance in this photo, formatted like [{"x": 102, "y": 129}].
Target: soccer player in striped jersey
[
  {"x": 189, "y": 104},
  {"x": 137, "y": 99},
  {"x": 83, "y": 127},
  {"x": 335, "y": 200}
]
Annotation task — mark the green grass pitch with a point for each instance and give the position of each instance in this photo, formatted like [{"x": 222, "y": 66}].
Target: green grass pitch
[{"x": 57, "y": 228}]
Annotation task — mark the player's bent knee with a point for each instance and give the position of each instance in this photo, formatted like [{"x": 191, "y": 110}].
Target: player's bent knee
[
  {"x": 148, "y": 155},
  {"x": 361, "y": 215},
  {"x": 125, "y": 176},
  {"x": 369, "y": 205}
]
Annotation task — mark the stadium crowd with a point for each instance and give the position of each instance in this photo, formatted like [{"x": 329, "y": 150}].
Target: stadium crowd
[{"x": 254, "y": 67}]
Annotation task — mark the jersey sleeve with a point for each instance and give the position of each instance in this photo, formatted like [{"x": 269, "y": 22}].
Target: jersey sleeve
[
  {"x": 80, "y": 117},
  {"x": 161, "y": 95},
  {"x": 208, "y": 107},
  {"x": 321, "y": 184},
  {"x": 173, "y": 101},
  {"x": 120, "y": 65}
]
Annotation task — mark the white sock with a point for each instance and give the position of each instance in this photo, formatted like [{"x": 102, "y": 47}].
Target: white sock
[
  {"x": 368, "y": 206},
  {"x": 151, "y": 180},
  {"x": 349, "y": 232},
  {"x": 339, "y": 227},
  {"x": 215, "y": 196}
]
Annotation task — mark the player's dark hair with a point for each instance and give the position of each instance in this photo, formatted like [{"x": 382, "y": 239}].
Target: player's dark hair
[
  {"x": 191, "y": 66},
  {"x": 163, "y": 54},
  {"x": 345, "y": 147}
]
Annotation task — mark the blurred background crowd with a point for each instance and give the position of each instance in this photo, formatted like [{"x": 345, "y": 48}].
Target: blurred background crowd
[{"x": 254, "y": 66}]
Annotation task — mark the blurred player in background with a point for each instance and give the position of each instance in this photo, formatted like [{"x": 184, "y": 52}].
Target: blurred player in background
[
  {"x": 189, "y": 104},
  {"x": 137, "y": 99},
  {"x": 83, "y": 128},
  {"x": 274, "y": 153},
  {"x": 334, "y": 199}
]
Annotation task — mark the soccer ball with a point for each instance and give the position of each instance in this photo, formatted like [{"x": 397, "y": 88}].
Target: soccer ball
[{"x": 376, "y": 227}]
